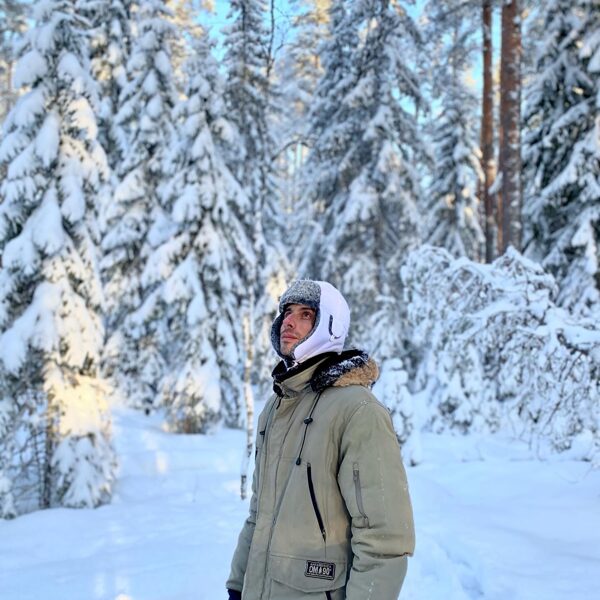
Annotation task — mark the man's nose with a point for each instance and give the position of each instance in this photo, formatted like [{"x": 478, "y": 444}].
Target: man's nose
[{"x": 289, "y": 322}]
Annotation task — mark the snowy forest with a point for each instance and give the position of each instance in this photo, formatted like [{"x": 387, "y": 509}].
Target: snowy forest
[{"x": 168, "y": 167}]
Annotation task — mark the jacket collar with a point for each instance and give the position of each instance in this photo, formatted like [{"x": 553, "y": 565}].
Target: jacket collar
[
  {"x": 351, "y": 367},
  {"x": 293, "y": 380}
]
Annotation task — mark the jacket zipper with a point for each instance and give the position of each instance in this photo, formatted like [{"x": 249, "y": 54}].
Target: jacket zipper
[
  {"x": 268, "y": 426},
  {"x": 359, "y": 500},
  {"x": 313, "y": 499},
  {"x": 264, "y": 456}
]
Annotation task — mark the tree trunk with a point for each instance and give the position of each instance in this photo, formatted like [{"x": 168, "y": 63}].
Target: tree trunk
[
  {"x": 487, "y": 132},
  {"x": 510, "y": 117},
  {"x": 47, "y": 474}
]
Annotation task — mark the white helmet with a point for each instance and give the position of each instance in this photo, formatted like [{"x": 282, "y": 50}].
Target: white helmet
[{"x": 332, "y": 319}]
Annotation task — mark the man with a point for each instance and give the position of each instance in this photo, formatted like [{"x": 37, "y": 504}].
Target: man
[{"x": 330, "y": 514}]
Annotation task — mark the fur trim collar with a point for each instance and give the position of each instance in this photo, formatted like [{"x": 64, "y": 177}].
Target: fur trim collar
[{"x": 352, "y": 367}]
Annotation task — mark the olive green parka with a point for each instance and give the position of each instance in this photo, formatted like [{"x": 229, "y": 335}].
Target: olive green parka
[{"x": 330, "y": 514}]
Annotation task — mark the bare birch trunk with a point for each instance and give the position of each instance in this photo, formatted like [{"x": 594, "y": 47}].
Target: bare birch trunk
[
  {"x": 510, "y": 117},
  {"x": 248, "y": 394}
]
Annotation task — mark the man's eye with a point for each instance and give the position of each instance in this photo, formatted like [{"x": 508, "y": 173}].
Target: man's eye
[{"x": 307, "y": 315}]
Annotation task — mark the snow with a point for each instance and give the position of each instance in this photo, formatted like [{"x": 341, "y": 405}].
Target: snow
[
  {"x": 20, "y": 251},
  {"x": 163, "y": 63},
  {"x": 20, "y": 166},
  {"x": 48, "y": 139},
  {"x": 46, "y": 224},
  {"x": 30, "y": 106},
  {"x": 69, "y": 68},
  {"x": 492, "y": 522},
  {"x": 32, "y": 66}
]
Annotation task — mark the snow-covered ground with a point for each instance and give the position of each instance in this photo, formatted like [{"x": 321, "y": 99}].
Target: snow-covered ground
[{"x": 492, "y": 522}]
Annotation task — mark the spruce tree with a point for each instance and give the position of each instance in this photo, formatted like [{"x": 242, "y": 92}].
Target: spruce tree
[
  {"x": 561, "y": 156},
  {"x": 197, "y": 278},
  {"x": 247, "y": 98},
  {"x": 135, "y": 221},
  {"x": 453, "y": 220},
  {"x": 453, "y": 207},
  {"x": 298, "y": 72},
  {"x": 54, "y": 428},
  {"x": 249, "y": 102},
  {"x": 110, "y": 45},
  {"x": 362, "y": 169},
  {"x": 184, "y": 18}
]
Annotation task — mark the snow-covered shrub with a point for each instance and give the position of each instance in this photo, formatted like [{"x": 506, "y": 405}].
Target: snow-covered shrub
[
  {"x": 495, "y": 352},
  {"x": 392, "y": 389}
]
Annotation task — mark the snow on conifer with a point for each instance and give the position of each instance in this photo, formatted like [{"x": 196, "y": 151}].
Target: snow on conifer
[
  {"x": 247, "y": 98},
  {"x": 184, "y": 16},
  {"x": 54, "y": 426},
  {"x": 362, "y": 168},
  {"x": 299, "y": 71},
  {"x": 198, "y": 278},
  {"x": 134, "y": 222},
  {"x": 249, "y": 155},
  {"x": 453, "y": 206},
  {"x": 562, "y": 153},
  {"x": 110, "y": 43},
  {"x": 12, "y": 24},
  {"x": 453, "y": 216}
]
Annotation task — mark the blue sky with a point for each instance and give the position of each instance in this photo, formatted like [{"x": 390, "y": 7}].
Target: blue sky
[{"x": 284, "y": 10}]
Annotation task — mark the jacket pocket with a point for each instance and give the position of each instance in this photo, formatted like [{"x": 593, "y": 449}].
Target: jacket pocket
[
  {"x": 358, "y": 492},
  {"x": 313, "y": 499},
  {"x": 305, "y": 578}
]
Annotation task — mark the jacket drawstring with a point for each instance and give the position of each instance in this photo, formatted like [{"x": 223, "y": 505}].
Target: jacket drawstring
[{"x": 307, "y": 422}]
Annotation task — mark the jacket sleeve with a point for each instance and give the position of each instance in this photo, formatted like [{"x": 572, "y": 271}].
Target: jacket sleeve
[
  {"x": 373, "y": 483},
  {"x": 240, "y": 556}
]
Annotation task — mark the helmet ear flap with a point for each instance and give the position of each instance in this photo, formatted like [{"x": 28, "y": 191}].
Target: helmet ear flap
[{"x": 333, "y": 334}]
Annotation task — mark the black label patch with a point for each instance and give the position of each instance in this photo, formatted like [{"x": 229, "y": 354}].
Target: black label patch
[{"x": 320, "y": 570}]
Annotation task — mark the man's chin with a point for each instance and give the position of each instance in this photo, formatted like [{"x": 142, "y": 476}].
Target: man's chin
[{"x": 286, "y": 348}]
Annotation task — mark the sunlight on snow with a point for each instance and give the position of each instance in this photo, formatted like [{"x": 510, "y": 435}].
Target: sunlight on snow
[{"x": 162, "y": 463}]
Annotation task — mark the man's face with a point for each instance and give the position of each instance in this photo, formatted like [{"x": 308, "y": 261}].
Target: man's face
[{"x": 297, "y": 323}]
